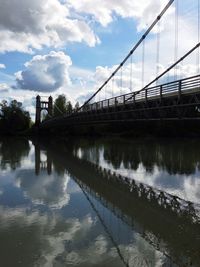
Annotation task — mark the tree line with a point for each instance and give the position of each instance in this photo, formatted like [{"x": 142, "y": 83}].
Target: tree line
[
  {"x": 63, "y": 106},
  {"x": 15, "y": 119}
]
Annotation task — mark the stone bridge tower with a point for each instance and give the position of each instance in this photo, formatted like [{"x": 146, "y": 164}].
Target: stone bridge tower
[{"x": 43, "y": 105}]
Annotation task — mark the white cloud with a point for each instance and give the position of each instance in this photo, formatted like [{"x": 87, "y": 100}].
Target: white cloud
[
  {"x": 144, "y": 10},
  {"x": 3, "y": 87},
  {"x": 45, "y": 73},
  {"x": 28, "y": 25},
  {"x": 2, "y": 66}
]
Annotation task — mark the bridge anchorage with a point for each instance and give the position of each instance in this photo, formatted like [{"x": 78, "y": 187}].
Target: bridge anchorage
[{"x": 43, "y": 105}]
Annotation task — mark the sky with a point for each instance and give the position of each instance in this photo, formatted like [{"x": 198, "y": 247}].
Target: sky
[{"x": 52, "y": 47}]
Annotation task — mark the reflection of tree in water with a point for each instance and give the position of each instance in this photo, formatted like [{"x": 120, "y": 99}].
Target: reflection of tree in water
[
  {"x": 12, "y": 150},
  {"x": 176, "y": 158},
  {"x": 92, "y": 154}
]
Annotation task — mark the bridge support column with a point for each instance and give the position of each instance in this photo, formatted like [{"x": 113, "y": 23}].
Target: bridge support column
[
  {"x": 43, "y": 105},
  {"x": 179, "y": 91},
  {"x": 38, "y": 111},
  {"x": 50, "y": 106},
  {"x": 160, "y": 93},
  {"x": 146, "y": 100}
]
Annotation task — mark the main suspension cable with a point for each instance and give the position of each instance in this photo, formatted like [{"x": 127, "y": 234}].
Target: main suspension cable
[{"x": 131, "y": 52}]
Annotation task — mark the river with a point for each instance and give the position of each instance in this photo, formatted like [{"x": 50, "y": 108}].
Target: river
[{"x": 99, "y": 202}]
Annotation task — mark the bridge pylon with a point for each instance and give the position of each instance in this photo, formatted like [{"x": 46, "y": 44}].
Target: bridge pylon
[{"x": 43, "y": 105}]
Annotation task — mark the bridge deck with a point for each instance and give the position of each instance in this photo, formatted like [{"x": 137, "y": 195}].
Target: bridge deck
[{"x": 175, "y": 100}]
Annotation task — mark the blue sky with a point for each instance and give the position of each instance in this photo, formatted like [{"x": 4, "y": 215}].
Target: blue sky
[
  {"x": 71, "y": 47},
  {"x": 116, "y": 40}
]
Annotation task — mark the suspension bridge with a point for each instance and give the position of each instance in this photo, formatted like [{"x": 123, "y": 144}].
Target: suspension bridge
[{"x": 167, "y": 90}]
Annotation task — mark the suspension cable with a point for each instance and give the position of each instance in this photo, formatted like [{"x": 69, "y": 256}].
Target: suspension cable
[
  {"x": 167, "y": 70},
  {"x": 58, "y": 109},
  {"x": 143, "y": 59},
  {"x": 121, "y": 78},
  {"x": 112, "y": 85},
  {"x": 131, "y": 52},
  {"x": 131, "y": 72},
  {"x": 198, "y": 34},
  {"x": 176, "y": 37},
  {"x": 158, "y": 50}
]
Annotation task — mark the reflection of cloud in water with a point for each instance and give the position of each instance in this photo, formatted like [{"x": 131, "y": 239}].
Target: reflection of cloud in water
[
  {"x": 69, "y": 242},
  {"x": 50, "y": 190},
  {"x": 100, "y": 251},
  {"x": 48, "y": 234}
]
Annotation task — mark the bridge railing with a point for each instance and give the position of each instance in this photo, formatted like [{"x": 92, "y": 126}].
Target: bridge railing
[{"x": 159, "y": 91}]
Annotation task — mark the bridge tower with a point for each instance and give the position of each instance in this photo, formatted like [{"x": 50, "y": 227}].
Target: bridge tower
[{"x": 43, "y": 105}]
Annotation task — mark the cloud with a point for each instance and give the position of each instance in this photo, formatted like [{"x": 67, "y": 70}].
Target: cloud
[
  {"x": 39, "y": 23},
  {"x": 144, "y": 10},
  {"x": 3, "y": 87},
  {"x": 2, "y": 66},
  {"x": 45, "y": 73}
]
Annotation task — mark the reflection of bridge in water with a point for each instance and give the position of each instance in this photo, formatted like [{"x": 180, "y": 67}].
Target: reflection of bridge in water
[
  {"x": 167, "y": 222},
  {"x": 42, "y": 165}
]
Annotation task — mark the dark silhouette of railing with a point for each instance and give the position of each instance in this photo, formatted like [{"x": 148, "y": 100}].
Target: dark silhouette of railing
[
  {"x": 174, "y": 100},
  {"x": 178, "y": 88},
  {"x": 158, "y": 197}
]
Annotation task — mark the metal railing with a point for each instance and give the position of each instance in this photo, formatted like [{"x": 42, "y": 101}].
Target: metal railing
[{"x": 178, "y": 87}]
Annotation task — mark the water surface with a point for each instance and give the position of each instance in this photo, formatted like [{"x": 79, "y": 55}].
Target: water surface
[{"x": 99, "y": 202}]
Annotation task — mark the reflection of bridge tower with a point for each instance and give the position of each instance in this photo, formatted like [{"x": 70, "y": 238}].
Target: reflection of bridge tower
[
  {"x": 43, "y": 105},
  {"x": 42, "y": 165}
]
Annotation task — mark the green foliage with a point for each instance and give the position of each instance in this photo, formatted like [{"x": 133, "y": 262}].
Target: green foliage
[
  {"x": 59, "y": 106},
  {"x": 13, "y": 118},
  {"x": 77, "y": 106},
  {"x": 69, "y": 107},
  {"x": 62, "y": 106}
]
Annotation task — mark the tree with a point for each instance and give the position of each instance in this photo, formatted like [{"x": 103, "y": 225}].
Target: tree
[
  {"x": 13, "y": 118},
  {"x": 69, "y": 107},
  {"x": 60, "y": 106},
  {"x": 77, "y": 106}
]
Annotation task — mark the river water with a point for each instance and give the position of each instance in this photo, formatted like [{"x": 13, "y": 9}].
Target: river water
[{"x": 99, "y": 202}]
